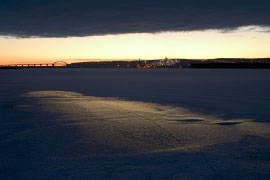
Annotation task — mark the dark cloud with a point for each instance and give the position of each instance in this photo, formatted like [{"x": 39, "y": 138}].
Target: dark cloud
[{"x": 62, "y": 18}]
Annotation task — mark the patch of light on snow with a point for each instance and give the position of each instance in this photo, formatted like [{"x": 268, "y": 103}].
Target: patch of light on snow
[{"x": 139, "y": 127}]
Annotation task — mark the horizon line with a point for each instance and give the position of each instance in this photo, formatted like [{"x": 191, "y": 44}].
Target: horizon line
[{"x": 124, "y": 59}]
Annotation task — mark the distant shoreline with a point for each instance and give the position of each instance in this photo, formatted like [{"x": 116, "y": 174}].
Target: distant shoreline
[{"x": 222, "y": 63}]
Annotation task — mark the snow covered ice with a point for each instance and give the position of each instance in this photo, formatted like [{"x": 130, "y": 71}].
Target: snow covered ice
[{"x": 134, "y": 124}]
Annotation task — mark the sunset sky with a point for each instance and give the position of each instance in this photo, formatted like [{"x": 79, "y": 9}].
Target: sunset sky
[{"x": 36, "y": 31}]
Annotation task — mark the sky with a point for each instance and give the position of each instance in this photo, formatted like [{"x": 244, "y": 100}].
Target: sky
[{"x": 76, "y": 30}]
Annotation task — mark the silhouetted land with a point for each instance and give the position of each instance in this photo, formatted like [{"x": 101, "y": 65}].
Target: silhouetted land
[
  {"x": 179, "y": 63},
  {"x": 233, "y": 65},
  {"x": 225, "y": 63},
  {"x": 9, "y": 67}
]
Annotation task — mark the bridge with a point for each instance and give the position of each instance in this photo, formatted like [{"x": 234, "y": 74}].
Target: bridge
[{"x": 57, "y": 64}]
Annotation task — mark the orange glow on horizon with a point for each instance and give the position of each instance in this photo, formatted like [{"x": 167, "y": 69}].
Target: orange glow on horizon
[{"x": 243, "y": 43}]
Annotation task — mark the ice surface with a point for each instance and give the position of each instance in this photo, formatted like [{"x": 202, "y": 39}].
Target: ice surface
[
  {"x": 134, "y": 124},
  {"x": 138, "y": 127}
]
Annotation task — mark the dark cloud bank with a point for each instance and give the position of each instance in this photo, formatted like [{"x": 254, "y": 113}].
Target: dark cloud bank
[{"x": 62, "y": 18}]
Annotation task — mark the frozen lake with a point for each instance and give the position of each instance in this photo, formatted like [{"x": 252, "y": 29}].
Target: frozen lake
[{"x": 134, "y": 124}]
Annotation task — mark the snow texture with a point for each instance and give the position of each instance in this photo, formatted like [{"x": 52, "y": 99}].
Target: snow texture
[{"x": 134, "y": 124}]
